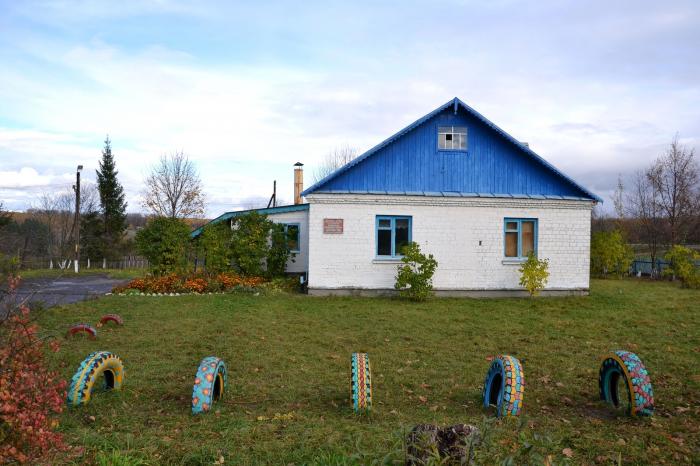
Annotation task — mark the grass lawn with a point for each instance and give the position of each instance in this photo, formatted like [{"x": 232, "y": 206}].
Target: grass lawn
[{"x": 289, "y": 360}]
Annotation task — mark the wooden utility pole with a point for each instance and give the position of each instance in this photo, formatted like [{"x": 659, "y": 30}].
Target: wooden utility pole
[{"x": 77, "y": 218}]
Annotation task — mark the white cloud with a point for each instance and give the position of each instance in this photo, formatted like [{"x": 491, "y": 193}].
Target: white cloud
[{"x": 590, "y": 93}]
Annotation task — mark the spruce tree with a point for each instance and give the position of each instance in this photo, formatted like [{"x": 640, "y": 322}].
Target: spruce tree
[{"x": 112, "y": 201}]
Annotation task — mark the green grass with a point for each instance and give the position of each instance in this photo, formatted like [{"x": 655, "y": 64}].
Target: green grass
[
  {"x": 290, "y": 355},
  {"x": 125, "y": 274}
]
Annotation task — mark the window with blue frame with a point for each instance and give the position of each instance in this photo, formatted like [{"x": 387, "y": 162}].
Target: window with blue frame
[
  {"x": 393, "y": 233},
  {"x": 291, "y": 231},
  {"x": 520, "y": 237}
]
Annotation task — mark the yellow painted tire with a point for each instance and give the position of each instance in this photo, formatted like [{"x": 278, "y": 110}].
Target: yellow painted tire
[{"x": 100, "y": 364}]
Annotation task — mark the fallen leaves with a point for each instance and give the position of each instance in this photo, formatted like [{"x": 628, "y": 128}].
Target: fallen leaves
[{"x": 568, "y": 452}]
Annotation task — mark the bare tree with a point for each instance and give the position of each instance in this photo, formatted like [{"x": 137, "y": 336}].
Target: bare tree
[
  {"x": 174, "y": 189},
  {"x": 676, "y": 178},
  {"x": 57, "y": 211},
  {"x": 335, "y": 159},
  {"x": 642, "y": 205}
]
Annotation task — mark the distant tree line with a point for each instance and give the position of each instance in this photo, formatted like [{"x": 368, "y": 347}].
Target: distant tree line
[{"x": 657, "y": 207}]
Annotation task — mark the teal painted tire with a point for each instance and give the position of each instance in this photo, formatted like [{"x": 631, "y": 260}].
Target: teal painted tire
[
  {"x": 626, "y": 369},
  {"x": 504, "y": 386},
  {"x": 360, "y": 382},
  {"x": 99, "y": 363},
  {"x": 209, "y": 384}
]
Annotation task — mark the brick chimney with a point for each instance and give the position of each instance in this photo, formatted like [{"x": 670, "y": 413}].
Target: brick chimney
[{"x": 298, "y": 181}]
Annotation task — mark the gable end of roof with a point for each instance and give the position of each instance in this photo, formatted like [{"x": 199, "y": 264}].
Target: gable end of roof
[{"x": 456, "y": 103}]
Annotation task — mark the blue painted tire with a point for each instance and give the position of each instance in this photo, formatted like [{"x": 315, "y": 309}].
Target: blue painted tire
[
  {"x": 99, "y": 363},
  {"x": 504, "y": 386},
  {"x": 626, "y": 368},
  {"x": 209, "y": 384},
  {"x": 361, "y": 382}
]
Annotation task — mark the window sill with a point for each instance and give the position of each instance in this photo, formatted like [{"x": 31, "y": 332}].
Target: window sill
[
  {"x": 513, "y": 261},
  {"x": 388, "y": 260},
  {"x": 461, "y": 151}
]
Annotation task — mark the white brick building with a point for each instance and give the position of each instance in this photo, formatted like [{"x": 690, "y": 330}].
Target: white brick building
[{"x": 460, "y": 187}]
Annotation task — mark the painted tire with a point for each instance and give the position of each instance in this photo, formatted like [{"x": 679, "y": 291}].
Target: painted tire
[
  {"x": 87, "y": 328},
  {"x": 96, "y": 364},
  {"x": 116, "y": 318},
  {"x": 361, "y": 382},
  {"x": 209, "y": 384},
  {"x": 504, "y": 386},
  {"x": 626, "y": 367}
]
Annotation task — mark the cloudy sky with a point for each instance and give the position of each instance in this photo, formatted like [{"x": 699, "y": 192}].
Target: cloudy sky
[{"x": 596, "y": 87}]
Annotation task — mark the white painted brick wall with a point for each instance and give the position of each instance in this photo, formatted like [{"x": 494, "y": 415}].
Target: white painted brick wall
[{"x": 450, "y": 229}]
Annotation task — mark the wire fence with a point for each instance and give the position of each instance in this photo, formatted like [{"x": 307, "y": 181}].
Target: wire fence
[{"x": 641, "y": 267}]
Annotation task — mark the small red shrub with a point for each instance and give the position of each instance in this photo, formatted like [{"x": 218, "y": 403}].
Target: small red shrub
[
  {"x": 193, "y": 284},
  {"x": 30, "y": 394}
]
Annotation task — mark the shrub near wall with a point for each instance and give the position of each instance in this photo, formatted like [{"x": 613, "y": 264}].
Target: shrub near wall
[
  {"x": 214, "y": 245},
  {"x": 258, "y": 246},
  {"x": 414, "y": 277}
]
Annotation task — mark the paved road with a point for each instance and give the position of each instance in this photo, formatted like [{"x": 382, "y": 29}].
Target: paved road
[{"x": 66, "y": 290}]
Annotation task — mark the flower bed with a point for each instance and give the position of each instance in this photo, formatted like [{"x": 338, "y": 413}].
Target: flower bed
[{"x": 168, "y": 284}]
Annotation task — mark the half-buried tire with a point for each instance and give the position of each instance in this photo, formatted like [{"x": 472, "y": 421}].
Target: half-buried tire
[
  {"x": 96, "y": 365},
  {"x": 361, "y": 382},
  {"x": 82, "y": 328},
  {"x": 209, "y": 384},
  {"x": 116, "y": 318},
  {"x": 624, "y": 383},
  {"x": 504, "y": 386}
]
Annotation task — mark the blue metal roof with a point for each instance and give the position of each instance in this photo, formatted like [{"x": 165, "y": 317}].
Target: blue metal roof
[
  {"x": 264, "y": 211},
  {"x": 495, "y": 164}
]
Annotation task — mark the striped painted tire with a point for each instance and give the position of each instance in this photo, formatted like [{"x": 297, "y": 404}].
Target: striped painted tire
[
  {"x": 116, "y": 318},
  {"x": 361, "y": 382},
  {"x": 96, "y": 364},
  {"x": 504, "y": 386},
  {"x": 626, "y": 368},
  {"x": 209, "y": 384},
  {"x": 87, "y": 328}
]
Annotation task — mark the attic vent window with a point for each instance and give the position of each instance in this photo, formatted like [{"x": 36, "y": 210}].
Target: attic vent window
[{"x": 452, "y": 138}]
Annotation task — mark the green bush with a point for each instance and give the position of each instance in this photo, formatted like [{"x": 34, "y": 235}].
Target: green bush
[
  {"x": 164, "y": 243},
  {"x": 682, "y": 261},
  {"x": 9, "y": 267},
  {"x": 610, "y": 254},
  {"x": 278, "y": 253},
  {"x": 534, "y": 273},
  {"x": 214, "y": 245},
  {"x": 258, "y": 246},
  {"x": 414, "y": 278}
]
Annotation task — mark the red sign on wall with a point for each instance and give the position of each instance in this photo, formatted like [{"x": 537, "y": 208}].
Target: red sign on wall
[{"x": 332, "y": 226}]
